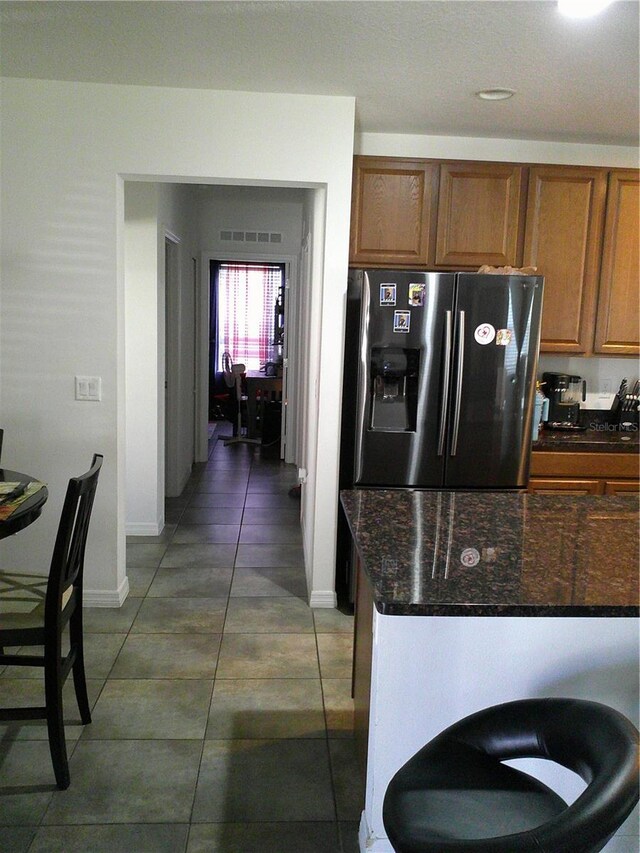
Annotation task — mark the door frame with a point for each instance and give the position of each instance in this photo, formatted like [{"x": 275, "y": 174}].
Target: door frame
[{"x": 290, "y": 379}]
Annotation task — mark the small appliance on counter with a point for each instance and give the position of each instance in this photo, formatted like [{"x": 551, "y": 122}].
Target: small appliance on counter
[{"x": 565, "y": 393}]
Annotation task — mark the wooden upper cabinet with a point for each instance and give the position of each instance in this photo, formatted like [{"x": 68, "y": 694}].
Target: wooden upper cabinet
[
  {"x": 617, "y": 331},
  {"x": 391, "y": 211},
  {"x": 478, "y": 214},
  {"x": 563, "y": 237}
]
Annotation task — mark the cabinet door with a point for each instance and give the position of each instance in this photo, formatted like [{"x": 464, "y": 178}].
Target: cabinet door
[
  {"x": 617, "y": 321},
  {"x": 563, "y": 237},
  {"x": 617, "y": 487},
  {"x": 547, "y": 486},
  {"x": 391, "y": 211},
  {"x": 478, "y": 214}
]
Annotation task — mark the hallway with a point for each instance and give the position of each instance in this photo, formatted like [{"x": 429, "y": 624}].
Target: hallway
[{"x": 222, "y": 717}]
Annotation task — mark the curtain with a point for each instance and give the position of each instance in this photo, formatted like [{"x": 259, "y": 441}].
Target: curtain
[{"x": 247, "y": 295}]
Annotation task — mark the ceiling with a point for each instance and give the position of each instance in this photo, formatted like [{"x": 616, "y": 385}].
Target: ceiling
[{"x": 413, "y": 67}]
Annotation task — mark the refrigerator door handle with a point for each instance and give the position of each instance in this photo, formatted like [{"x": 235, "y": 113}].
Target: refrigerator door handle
[
  {"x": 445, "y": 381},
  {"x": 460, "y": 368}
]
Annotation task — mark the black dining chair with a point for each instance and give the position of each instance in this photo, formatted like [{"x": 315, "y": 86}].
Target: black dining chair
[
  {"x": 1, "y": 437},
  {"x": 35, "y": 610},
  {"x": 456, "y": 796}
]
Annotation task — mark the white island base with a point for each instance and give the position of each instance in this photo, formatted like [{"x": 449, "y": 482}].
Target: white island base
[{"x": 429, "y": 671}]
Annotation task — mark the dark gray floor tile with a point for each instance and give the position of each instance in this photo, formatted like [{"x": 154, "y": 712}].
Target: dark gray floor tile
[
  {"x": 191, "y": 583},
  {"x": 125, "y": 838},
  {"x": 271, "y": 515},
  {"x": 329, "y": 620},
  {"x": 198, "y": 556},
  {"x": 27, "y": 782},
  {"x": 212, "y": 515},
  {"x": 338, "y": 707},
  {"x": 21, "y": 692},
  {"x": 271, "y": 555},
  {"x": 268, "y": 656},
  {"x": 348, "y": 779},
  {"x": 266, "y": 708},
  {"x": 258, "y": 615},
  {"x": 336, "y": 655},
  {"x": 227, "y": 485},
  {"x": 217, "y": 499},
  {"x": 261, "y": 534},
  {"x": 180, "y": 616},
  {"x": 275, "y": 503},
  {"x": 263, "y": 837},
  {"x": 140, "y": 580},
  {"x": 107, "y": 620},
  {"x": 100, "y": 652},
  {"x": 16, "y": 839},
  {"x": 348, "y": 831},
  {"x": 145, "y": 555},
  {"x": 264, "y": 780},
  {"x": 160, "y": 539},
  {"x": 189, "y": 534},
  {"x": 168, "y": 656},
  {"x": 131, "y": 709},
  {"x": 121, "y": 781},
  {"x": 173, "y": 516},
  {"x": 269, "y": 581}
]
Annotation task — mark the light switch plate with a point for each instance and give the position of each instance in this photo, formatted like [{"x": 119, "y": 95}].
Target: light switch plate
[{"x": 89, "y": 388}]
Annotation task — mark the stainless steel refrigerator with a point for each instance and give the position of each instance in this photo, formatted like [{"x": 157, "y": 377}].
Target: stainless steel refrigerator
[
  {"x": 438, "y": 384},
  {"x": 439, "y": 379}
]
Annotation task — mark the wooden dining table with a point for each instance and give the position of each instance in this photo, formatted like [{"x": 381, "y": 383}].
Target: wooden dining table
[{"x": 28, "y": 510}]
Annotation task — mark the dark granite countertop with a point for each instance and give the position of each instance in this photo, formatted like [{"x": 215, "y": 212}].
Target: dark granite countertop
[
  {"x": 600, "y": 439},
  {"x": 431, "y": 553}
]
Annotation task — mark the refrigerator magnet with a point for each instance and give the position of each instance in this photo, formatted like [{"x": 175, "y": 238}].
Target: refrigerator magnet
[
  {"x": 401, "y": 321},
  {"x": 484, "y": 334},
  {"x": 387, "y": 294},
  {"x": 470, "y": 557},
  {"x": 503, "y": 337},
  {"x": 416, "y": 295}
]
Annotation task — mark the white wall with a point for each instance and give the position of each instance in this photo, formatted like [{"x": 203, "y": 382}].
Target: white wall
[
  {"x": 273, "y": 209},
  {"x": 153, "y": 211},
  {"x": 503, "y": 150},
  {"x": 144, "y": 328},
  {"x": 177, "y": 221},
  {"x": 66, "y": 150}
]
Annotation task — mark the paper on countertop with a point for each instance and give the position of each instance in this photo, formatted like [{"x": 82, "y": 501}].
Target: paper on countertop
[{"x": 598, "y": 400}]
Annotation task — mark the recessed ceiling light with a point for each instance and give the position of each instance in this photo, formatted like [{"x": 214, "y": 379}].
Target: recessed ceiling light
[
  {"x": 495, "y": 94},
  {"x": 582, "y": 8}
]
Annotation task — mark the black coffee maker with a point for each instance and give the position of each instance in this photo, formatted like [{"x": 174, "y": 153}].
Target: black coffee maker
[{"x": 565, "y": 393}]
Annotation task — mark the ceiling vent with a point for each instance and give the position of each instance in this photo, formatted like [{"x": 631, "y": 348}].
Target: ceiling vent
[{"x": 230, "y": 236}]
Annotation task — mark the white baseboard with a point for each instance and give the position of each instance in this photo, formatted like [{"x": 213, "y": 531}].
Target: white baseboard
[
  {"x": 106, "y": 597},
  {"x": 323, "y": 598},
  {"x": 142, "y": 528},
  {"x": 368, "y": 842}
]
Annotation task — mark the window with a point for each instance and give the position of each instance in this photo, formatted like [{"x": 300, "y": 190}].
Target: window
[{"x": 247, "y": 295}]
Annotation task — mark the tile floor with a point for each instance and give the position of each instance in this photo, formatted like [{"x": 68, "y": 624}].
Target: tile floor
[{"x": 222, "y": 717}]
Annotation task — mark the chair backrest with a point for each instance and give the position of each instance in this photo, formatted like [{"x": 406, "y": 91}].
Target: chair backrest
[
  {"x": 227, "y": 369},
  {"x": 1, "y": 437},
  {"x": 593, "y": 740},
  {"x": 67, "y": 562}
]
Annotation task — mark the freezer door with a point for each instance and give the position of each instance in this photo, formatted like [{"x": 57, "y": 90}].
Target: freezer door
[
  {"x": 493, "y": 380},
  {"x": 406, "y": 336}
]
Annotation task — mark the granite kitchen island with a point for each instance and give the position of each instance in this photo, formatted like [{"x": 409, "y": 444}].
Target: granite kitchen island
[{"x": 469, "y": 599}]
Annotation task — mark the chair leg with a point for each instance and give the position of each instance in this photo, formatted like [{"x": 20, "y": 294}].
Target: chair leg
[
  {"x": 55, "y": 717},
  {"x": 79, "y": 678}
]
